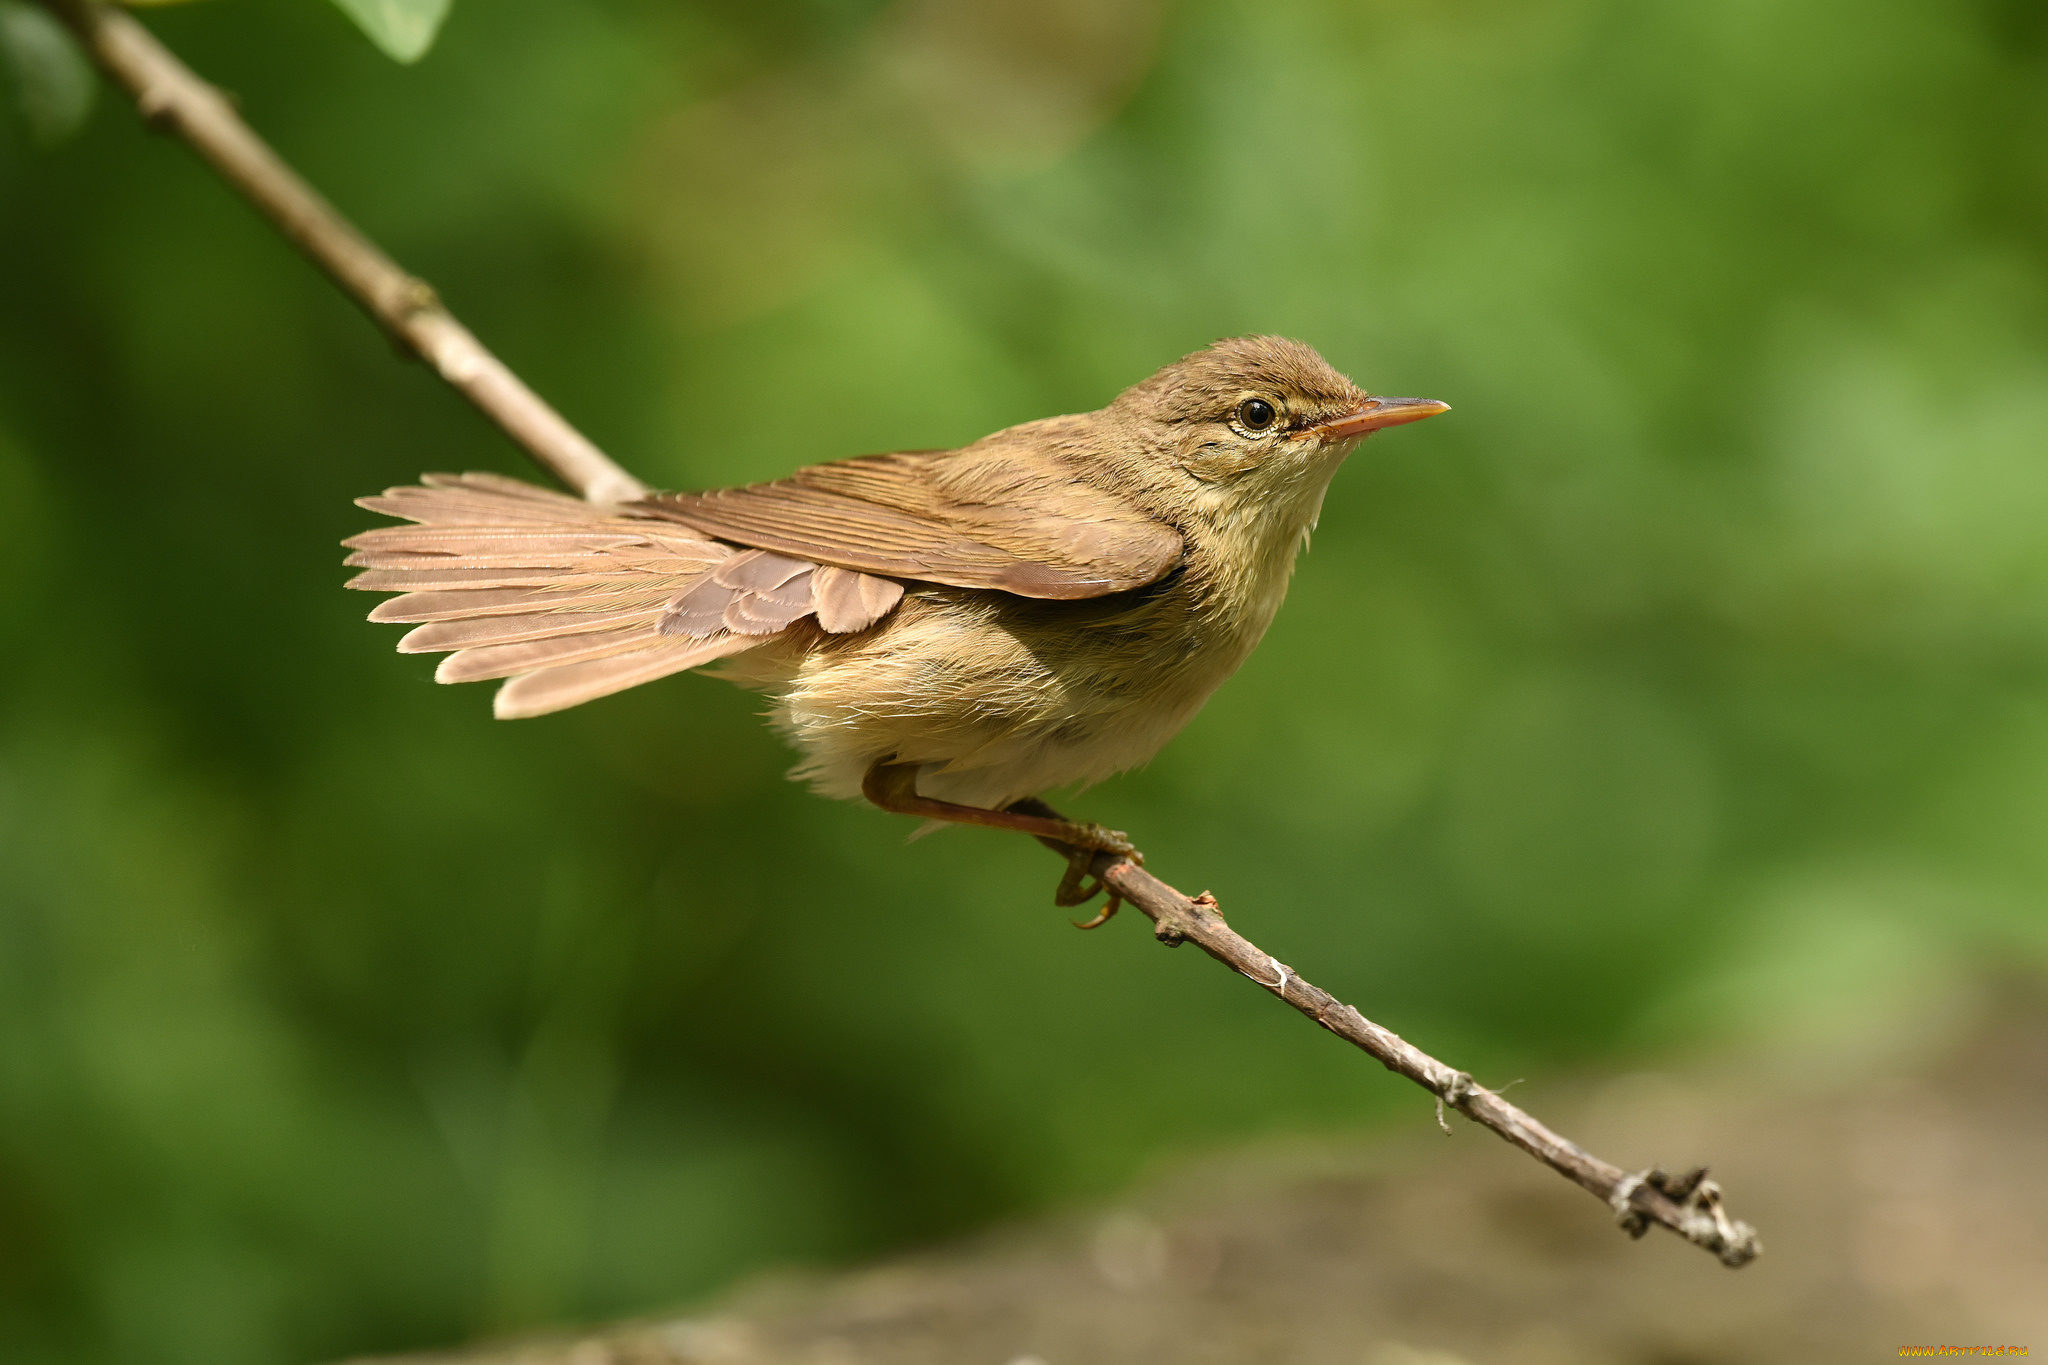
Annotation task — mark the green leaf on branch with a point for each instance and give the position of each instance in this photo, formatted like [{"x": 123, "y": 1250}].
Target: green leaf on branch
[
  {"x": 405, "y": 29},
  {"x": 53, "y": 81}
]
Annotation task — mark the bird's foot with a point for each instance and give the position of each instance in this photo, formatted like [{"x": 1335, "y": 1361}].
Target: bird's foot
[
  {"x": 1089, "y": 837},
  {"x": 1079, "y": 886},
  {"x": 1108, "y": 913}
]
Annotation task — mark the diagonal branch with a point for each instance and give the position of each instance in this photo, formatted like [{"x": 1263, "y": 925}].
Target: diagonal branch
[
  {"x": 1689, "y": 1204},
  {"x": 173, "y": 99},
  {"x": 176, "y": 101}
]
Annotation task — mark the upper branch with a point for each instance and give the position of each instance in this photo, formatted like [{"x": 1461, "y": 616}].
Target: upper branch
[{"x": 175, "y": 100}]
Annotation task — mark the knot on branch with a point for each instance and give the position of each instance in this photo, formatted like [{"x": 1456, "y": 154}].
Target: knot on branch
[
  {"x": 1169, "y": 929},
  {"x": 411, "y": 297},
  {"x": 1456, "y": 1089},
  {"x": 1701, "y": 1218},
  {"x": 158, "y": 105}
]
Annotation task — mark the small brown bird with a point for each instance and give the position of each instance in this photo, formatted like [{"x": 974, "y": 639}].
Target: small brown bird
[{"x": 948, "y": 633}]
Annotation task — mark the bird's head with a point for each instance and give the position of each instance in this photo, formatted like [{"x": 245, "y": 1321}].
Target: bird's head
[{"x": 1251, "y": 429}]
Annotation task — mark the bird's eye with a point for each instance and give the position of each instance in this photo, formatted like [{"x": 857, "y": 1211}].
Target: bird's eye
[{"x": 1256, "y": 414}]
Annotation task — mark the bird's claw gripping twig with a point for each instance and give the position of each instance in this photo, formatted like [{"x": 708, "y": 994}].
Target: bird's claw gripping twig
[
  {"x": 1092, "y": 838},
  {"x": 1078, "y": 888},
  {"x": 1079, "y": 841},
  {"x": 1108, "y": 912}
]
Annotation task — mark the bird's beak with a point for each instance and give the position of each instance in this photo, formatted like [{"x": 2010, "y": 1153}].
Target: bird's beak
[{"x": 1375, "y": 413}]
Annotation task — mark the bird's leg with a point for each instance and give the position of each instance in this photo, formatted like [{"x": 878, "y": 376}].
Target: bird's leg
[{"x": 893, "y": 787}]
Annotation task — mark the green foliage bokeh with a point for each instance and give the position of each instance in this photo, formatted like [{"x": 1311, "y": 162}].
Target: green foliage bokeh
[{"x": 1687, "y": 685}]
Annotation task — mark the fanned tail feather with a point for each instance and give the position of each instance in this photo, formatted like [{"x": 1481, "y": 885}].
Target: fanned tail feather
[
  {"x": 556, "y": 689},
  {"x": 513, "y": 581},
  {"x": 572, "y": 601}
]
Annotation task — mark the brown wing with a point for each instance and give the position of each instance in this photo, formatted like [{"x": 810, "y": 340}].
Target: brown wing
[{"x": 1005, "y": 513}]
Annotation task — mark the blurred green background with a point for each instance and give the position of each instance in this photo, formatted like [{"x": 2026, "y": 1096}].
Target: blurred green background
[{"x": 1687, "y": 687}]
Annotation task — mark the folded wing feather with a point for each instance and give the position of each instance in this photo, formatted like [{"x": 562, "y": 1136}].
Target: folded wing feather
[{"x": 1007, "y": 513}]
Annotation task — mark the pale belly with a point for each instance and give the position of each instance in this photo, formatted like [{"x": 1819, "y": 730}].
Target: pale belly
[{"x": 995, "y": 698}]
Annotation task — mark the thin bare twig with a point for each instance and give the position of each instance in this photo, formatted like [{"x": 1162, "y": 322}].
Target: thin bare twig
[
  {"x": 1688, "y": 1204},
  {"x": 175, "y": 100}
]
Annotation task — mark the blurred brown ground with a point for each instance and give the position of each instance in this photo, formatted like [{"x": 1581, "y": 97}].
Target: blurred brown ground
[{"x": 1904, "y": 1210}]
